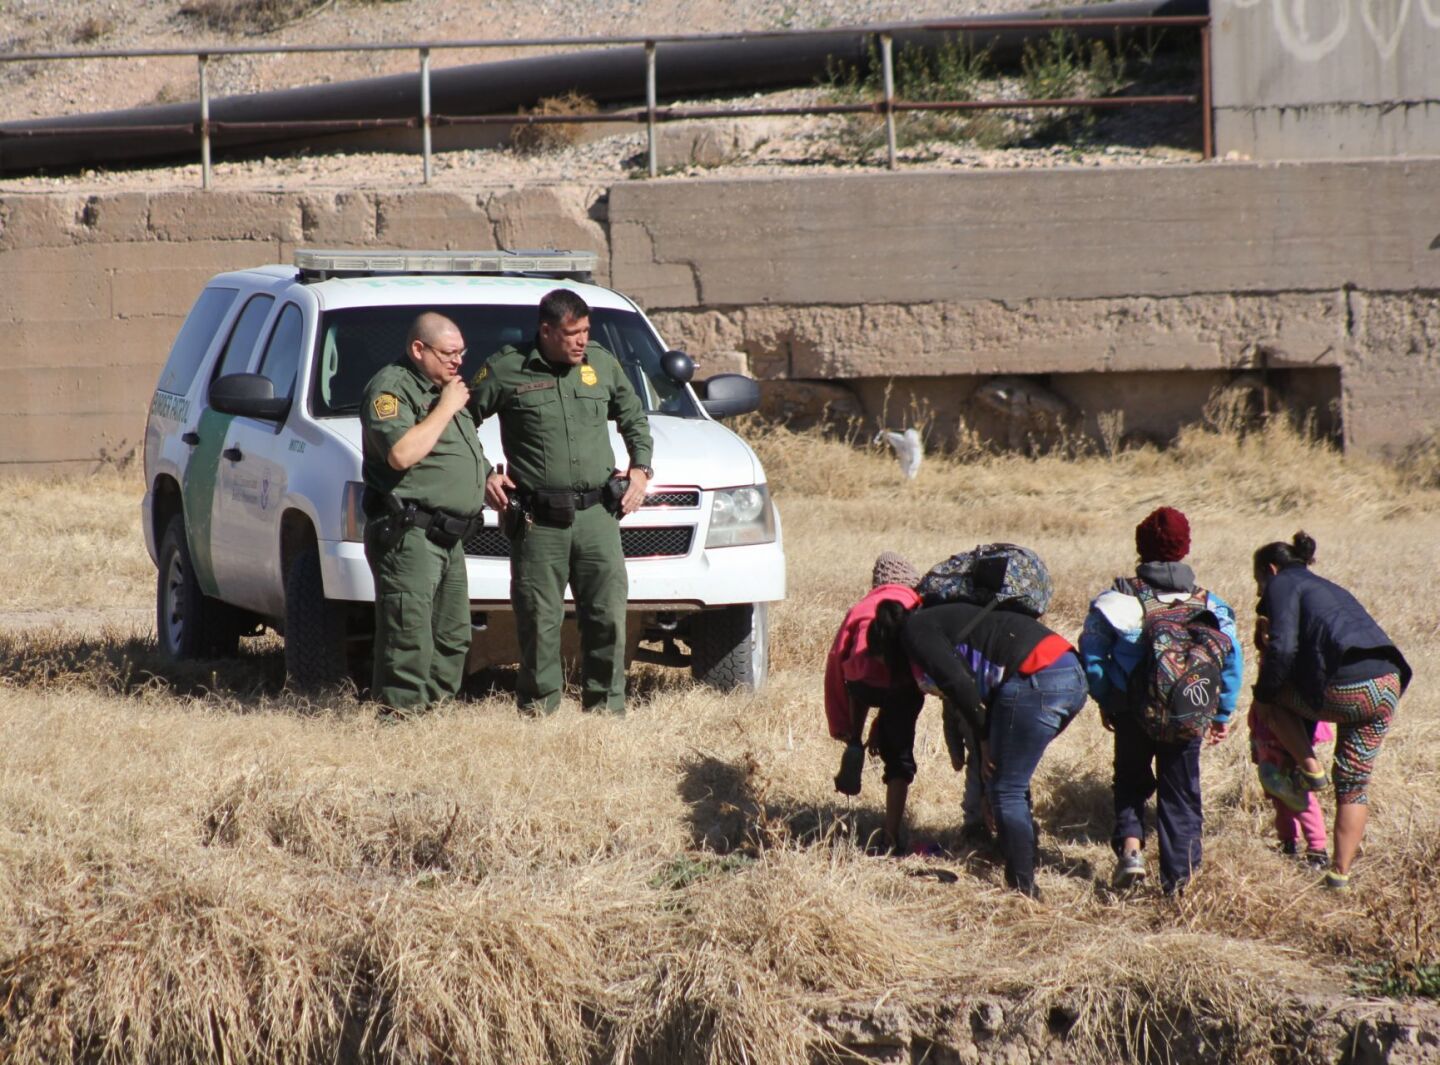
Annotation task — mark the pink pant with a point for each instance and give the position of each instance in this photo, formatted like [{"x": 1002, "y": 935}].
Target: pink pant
[
  {"x": 1290, "y": 825},
  {"x": 1264, "y": 747}
]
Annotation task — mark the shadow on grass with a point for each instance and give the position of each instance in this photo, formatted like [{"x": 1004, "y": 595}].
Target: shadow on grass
[
  {"x": 731, "y": 810},
  {"x": 1078, "y": 809},
  {"x": 53, "y": 660}
]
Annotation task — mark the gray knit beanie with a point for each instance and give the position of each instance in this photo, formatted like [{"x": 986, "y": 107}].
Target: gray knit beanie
[{"x": 891, "y": 568}]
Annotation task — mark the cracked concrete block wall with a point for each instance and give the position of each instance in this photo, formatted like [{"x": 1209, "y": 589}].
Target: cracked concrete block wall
[
  {"x": 1326, "y": 79},
  {"x": 1026, "y": 234},
  {"x": 1146, "y": 286},
  {"x": 93, "y": 288},
  {"x": 1183, "y": 271}
]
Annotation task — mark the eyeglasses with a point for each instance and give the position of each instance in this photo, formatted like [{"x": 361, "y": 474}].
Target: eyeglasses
[{"x": 447, "y": 356}]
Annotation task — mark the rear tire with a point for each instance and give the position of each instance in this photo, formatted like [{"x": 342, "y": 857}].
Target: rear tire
[
  {"x": 315, "y": 629},
  {"x": 730, "y": 647},
  {"x": 188, "y": 623}
]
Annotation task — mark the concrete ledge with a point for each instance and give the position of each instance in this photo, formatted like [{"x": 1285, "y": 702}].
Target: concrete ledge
[{"x": 1070, "y": 234}]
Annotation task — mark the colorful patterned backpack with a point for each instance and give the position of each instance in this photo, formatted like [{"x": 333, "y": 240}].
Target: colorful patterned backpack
[
  {"x": 1012, "y": 577},
  {"x": 1174, "y": 691}
]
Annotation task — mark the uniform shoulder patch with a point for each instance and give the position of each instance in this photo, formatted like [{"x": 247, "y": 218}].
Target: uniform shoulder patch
[
  {"x": 587, "y": 374},
  {"x": 484, "y": 373},
  {"x": 386, "y": 406}
]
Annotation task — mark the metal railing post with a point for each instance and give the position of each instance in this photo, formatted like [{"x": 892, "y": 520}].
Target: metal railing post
[
  {"x": 887, "y": 66},
  {"x": 650, "y": 107},
  {"x": 1207, "y": 116},
  {"x": 204, "y": 122},
  {"x": 425, "y": 111}
]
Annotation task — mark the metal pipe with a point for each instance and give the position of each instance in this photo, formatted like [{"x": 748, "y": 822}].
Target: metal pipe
[
  {"x": 1207, "y": 113},
  {"x": 887, "y": 69},
  {"x": 636, "y": 116},
  {"x": 204, "y": 122},
  {"x": 702, "y": 66},
  {"x": 1059, "y": 21},
  {"x": 651, "y": 152},
  {"x": 425, "y": 112}
]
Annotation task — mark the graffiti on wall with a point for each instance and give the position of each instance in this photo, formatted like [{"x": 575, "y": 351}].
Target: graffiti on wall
[{"x": 1311, "y": 29}]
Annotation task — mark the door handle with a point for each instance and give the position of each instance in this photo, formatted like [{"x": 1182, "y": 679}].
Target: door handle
[
  {"x": 192, "y": 438},
  {"x": 234, "y": 454}
]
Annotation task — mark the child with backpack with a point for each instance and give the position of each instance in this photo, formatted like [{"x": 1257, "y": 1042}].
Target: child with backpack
[
  {"x": 1163, "y": 662},
  {"x": 1015, "y": 683},
  {"x": 857, "y": 681},
  {"x": 1271, "y": 757}
]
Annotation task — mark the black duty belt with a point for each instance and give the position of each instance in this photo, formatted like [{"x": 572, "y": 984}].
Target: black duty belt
[
  {"x": 445, "y": 522},
  {"x": 584, "y": 498}
]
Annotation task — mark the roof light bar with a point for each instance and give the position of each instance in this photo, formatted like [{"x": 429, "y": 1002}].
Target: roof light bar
[{"x": 313, "y": 262}]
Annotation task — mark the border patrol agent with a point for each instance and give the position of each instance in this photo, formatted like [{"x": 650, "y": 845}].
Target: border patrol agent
[
  {"x": 554, "y": 401},
  {"x": 424, "y": 474}
]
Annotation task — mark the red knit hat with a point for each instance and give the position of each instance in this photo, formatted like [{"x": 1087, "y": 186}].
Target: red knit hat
[{"x": 1164, "y": 536}]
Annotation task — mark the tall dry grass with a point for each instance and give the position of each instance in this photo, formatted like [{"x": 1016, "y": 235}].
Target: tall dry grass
[{"x": 195, "y": 865}]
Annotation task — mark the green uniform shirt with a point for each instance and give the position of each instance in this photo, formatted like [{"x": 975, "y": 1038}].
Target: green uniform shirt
[
  {"x": 553, "y": 418},
  {"x": 452, "y": 476}
]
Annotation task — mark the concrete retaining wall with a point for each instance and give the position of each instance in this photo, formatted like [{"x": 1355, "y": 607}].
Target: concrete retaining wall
[
  {"x": 1323, "y": 275},
  {"x": 1327, "y": 79}
]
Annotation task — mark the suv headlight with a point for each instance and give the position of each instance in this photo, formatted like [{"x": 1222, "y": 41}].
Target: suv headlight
[{"x": 741, "y": 516}]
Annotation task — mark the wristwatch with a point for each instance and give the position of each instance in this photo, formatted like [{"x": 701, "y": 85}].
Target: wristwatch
[{"x": 646, "y": 470}]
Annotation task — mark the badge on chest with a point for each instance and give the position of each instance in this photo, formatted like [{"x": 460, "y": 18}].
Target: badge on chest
[{"x": 588, "y": 375}]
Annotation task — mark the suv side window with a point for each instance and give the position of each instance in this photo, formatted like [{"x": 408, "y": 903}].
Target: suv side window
[
  {"x": 282, "y": 351},
  {"x": 238, "y": 348},
  {"x": 194, "y": 339}
]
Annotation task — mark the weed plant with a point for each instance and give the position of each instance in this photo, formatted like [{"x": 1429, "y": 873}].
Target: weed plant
[
  {"x": 196, "y": 865},
  {"x": 541, "y": 138},
  {"x": 249, "y": 16},
  {"x": 1057, "y": 66}
]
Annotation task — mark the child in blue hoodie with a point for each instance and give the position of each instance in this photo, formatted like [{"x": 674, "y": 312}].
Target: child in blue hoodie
[{"x": 1111, "y": 649}]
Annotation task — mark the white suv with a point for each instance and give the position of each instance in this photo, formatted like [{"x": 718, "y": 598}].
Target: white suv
[{"x": 252, "y": 466}]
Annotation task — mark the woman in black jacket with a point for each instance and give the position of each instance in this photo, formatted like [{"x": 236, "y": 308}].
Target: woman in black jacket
[
  {"x": 1016, "y": 684},
  {"x": 1326, "y": 660}
]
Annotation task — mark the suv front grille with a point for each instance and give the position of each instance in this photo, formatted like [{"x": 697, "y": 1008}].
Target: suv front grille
[
  {"x": 665, "y": 541},
  {"x": 489, "y": 542},
  {"x": 673, "y": 497}
]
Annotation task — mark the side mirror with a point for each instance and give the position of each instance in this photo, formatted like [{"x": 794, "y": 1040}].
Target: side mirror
[
  {"x": 249, "y": 395},
  {"x": 728, "y": 395},
  {"x": 678, "y": 366}
]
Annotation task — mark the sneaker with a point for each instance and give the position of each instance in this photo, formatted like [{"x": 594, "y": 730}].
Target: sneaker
[
  {"x": 1279, "y": 784},
  {"x": 1336, "y": 881},
  {"x": 1290, "y": 848},
  {"x": 1317, "y": 859},
  {"x": 1129, "y": 870},
  {"x": 1311, "y": 781}
]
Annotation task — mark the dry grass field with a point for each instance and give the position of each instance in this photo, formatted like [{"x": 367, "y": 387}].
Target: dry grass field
[{"x": 197, "y": 866}]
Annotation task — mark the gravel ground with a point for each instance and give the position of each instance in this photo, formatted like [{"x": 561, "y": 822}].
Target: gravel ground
[{"x": 36, "y": 89}]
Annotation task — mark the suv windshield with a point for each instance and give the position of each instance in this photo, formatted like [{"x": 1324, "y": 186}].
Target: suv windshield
[{"x": 357, "y": 341}]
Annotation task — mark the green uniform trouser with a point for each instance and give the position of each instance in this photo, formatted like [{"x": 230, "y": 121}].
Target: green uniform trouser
[
  {"x": 422, "y": 620},
  {"x": 588, "y": 555}
]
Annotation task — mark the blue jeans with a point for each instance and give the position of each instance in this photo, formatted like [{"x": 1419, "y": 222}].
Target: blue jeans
[{"x": 1026, "y": 713}]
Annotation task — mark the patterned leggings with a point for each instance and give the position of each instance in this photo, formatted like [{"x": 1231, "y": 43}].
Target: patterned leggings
[{"x": 1362, "y": 712}]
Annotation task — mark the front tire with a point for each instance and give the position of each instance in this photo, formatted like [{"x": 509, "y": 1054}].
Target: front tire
[
  {"x": 188, "y": 623},
  {"x": 315, "y": 629},
  {"x": 730, "y": 647}
]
